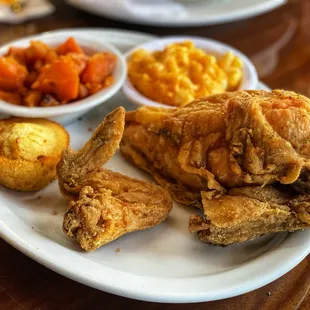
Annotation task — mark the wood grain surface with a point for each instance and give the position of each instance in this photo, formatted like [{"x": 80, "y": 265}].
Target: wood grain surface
[{"x": 279, "y": 44}]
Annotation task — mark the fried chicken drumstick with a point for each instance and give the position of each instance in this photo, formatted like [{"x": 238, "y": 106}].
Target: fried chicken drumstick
[
  {"x": 104, "y": 204},
  {"x": 244, "y": 139}
]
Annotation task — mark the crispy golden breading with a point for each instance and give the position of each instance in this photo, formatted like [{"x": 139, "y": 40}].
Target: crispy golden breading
[
  {"x": 29, "y": 152},
  {"x": 105, "y": 204},
  {"x": 246, "y": 213},
  {"x": 230, "y": 140},
  {"x": 75, "y": 168},
  {"x": 223, "y": 141}
]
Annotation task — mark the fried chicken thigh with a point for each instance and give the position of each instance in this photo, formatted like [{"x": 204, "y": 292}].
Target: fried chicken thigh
[
  {"x": 227, "y": 141},
  {"x": 249, "y": 212},
  {"x": 105, "y": 204}
]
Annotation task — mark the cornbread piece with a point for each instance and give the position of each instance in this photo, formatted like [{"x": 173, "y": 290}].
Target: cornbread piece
[{"x": 29, "y": 152}]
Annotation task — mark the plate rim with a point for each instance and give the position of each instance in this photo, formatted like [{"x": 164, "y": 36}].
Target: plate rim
[
  {"x": 139, "y": 293},
  {"x": 248, "y": 12},
  {"x": 151, "y": 296}
]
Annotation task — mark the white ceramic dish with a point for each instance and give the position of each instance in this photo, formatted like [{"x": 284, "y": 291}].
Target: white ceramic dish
[
  {"x": 33, "y": 9},
  {"x": 194, "y": 13},
  {"x": 165, "y": 263},
  {"x": 65, "y": 114},
  {"x": 213, "y": 47}
]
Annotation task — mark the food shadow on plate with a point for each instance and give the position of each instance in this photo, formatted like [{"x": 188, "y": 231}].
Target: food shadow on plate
[{"x": 51, "y": 206}]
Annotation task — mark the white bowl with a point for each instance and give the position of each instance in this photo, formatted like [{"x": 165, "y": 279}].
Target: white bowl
[
  {"x": 67, "y": 113},
  {"x": 215, "y": 48}
]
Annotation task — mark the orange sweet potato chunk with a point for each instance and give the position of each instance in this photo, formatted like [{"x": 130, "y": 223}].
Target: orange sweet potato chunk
[
  {"x": 12, "y": 74},
  {"x": 13, "y": 98},
  {"x": 50, "y": 56},
  {"x": 79, "y": 60},
  {"x": 36, "y": 51},
  {"x": 69, "y": 46},
  {"x": 59, "y": 78},
  {"x": 17, "y": 53},
  {"x": 31, "y": 77},
  {"x": 83, "y": 91},
  {"x": 99, "y": 67},
  {"x": 32, "y": 98}
]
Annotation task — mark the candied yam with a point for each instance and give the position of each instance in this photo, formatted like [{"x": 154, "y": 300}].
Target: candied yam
[
  {"x": 79, "y": 60},
  {"x": 40, "y": 75},
  {"x": 99, "y": 67},
  {"x": 69, "y": 46},
  {"x": 36, "y": 50},
  {"x": 22, "y": 91},
  {"x": 12, "y": 74},
  {"x": 38, "y": 64},
  {"x": 49, "y": 101},
  {"x": 59, "y": 78},
  {"x": 50, "y": 56},
  {"x": 95, "y": 87},
  {"x": 17, "y": 53},
  {"x": 83, "y": 91},
  {"x": 31, "y": 77},
  {"x": 32, "y": 98},
  {"x": 108, "y": 81},
  {"x": 13, "y": 98}
]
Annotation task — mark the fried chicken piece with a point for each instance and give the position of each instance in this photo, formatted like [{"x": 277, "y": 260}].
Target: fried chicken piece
[
  {"x": 244, "y": 139},
  {"x": 246, "y": 213},
  {"x": 105, "y": 204},
  {"x": 29, "y": 152},
  {"x": 76, "y": 168},
  {"x": 99, "y": 217},
  {"x": 223, "y": 141}
]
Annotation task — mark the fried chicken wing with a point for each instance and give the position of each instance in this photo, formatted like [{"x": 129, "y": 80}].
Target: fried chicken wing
[
  {"x": 105, "y": 204},
  {"x": 238, "y": 139},
  {"x": 75, "y": 168}
]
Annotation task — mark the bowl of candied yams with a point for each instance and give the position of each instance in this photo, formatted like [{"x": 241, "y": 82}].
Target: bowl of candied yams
[{"x": 57, "y": 76}]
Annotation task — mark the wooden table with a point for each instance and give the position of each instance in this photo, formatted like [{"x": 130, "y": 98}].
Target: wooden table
[{"x": 279, "y": 45}]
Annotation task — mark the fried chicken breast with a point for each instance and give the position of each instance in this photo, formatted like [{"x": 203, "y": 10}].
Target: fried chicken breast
[
  {"x": 29, "y": 152},
  {"x": 105, "y": 204},
  {"x": 231, "y": 140}
]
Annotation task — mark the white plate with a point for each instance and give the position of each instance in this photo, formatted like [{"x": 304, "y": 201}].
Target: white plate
[
  {"x": 165, "y": 263},
  {"x": 34, "y": 9},
  {"x": 198, "y": 12}
]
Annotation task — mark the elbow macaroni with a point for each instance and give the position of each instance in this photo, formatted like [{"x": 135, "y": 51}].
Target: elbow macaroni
[{"x": 181, "y": 72}]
